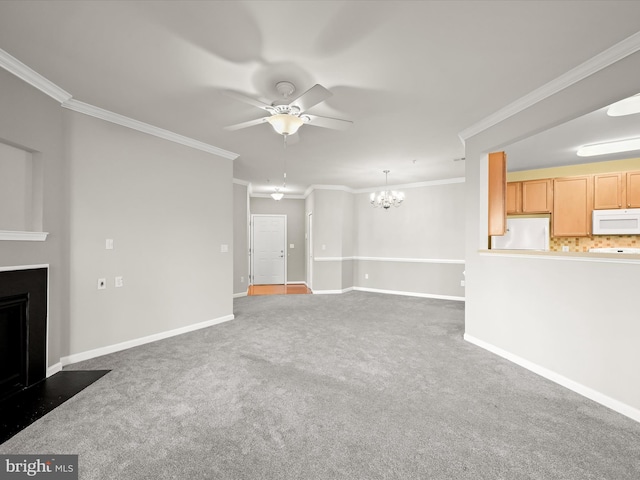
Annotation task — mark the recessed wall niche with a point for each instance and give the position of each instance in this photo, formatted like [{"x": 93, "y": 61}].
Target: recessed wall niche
[{"x": 21, "y": 182}]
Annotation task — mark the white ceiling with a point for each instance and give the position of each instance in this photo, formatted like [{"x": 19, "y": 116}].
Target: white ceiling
[{"x": 411, "y": 75}]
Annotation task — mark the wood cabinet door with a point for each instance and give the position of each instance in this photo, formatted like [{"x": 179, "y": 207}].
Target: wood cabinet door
[
  {"x": 633, "y": 190},
  {"x": 537, "y": 196},
  {"x": 497, "y": 193},
  {"x": 609, "y": 190},
  {"x": 514, "y": 197},
  {"x": 572, "y": 206}
]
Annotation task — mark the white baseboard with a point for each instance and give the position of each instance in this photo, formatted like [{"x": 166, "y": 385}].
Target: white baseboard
[
  {"x": 409, "y": 294},
  {"x": 241, "y": 294},
  {"x": 583, "y": 390},
  {"x": 300, "y": 282},
  {"x": 98, "y": 352},
  {"x": 53, "y": 369},
  {"x": 332, "y": 292}
]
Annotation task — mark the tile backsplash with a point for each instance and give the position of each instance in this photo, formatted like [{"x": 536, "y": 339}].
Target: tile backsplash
[{"x": 583, "y": 244}]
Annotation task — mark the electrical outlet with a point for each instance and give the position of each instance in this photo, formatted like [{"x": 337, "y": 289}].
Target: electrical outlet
[
  {"x": 565, "y": 248},
  {"x": 224, "y": 248},
  {"x": 291, "y": 245},
  {"x": 241, "y": 279},
  {"x": 102, "y": 283},
  {"x": 366, "y": 276},
  {"x": 462, "y": 283},
  {"x": 109, "y": 244},
  {"x": 119, "y": 282}
]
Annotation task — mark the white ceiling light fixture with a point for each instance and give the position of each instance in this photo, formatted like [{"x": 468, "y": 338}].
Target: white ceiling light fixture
[
  {"x": 386, "y": 198},
  {"x": 285, "y": 123},
  {"x": 277, "y": 195},
  {"x": 609, "y": 147},
  {"x": 628, "y": 106},
  {"x": 287, "y": 114}
]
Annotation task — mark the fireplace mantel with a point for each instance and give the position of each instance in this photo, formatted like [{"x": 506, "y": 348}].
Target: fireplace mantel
[{"x": 23, "y": 236}]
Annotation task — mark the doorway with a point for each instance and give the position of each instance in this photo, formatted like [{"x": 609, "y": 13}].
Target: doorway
[{"x": 268, "y": 249}]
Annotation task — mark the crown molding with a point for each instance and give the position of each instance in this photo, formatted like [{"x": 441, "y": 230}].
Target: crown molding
[
  {"x": 97, "y": 112},
  {"x": 342, "y": 188},
  {"x": 241, "y": 182},
  {"x": 287, "y": 196},
  {"x": 611, "y": 55},
  {"x": 33, "y": 78},
  {"x": 429, "y": 183}
]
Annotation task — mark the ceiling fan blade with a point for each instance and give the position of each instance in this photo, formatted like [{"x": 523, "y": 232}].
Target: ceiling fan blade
[
  {"x": 246, "y": 99},
  {"x": 328, "y": 122},
  {"x": 250, "y": 123},
  {"x": 311, "y": 97}
]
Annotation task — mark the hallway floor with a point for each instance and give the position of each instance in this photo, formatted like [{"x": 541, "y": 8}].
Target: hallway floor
[{"x": 294, "y": 289}]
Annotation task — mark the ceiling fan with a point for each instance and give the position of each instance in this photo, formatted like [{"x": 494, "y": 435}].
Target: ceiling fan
[{"x": 286, "y": 115}]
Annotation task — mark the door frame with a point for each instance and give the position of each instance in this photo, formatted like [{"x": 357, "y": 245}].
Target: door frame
[
  {"x": 309, "y": 250},
  {"x": 284, "y": 246}
]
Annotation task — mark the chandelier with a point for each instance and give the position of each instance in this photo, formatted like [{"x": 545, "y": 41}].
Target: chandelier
[{"x": 386, "y": 198}]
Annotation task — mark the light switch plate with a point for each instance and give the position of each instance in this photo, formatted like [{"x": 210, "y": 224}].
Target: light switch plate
[
  {"x": 119, "y": 282},
  {"x": 224, "y": 248}
]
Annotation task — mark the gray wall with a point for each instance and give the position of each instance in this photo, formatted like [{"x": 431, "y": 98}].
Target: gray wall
[
  {"x": 416, "y": 249},
  {"x": 574, "y": 321},
  {"x": 240, "y": 239},
  {"x": 294, "y": 209},
  {"x": 333, "y": 233},
  {"x": 33, "y": 121},
  {"x": 159, "y": 201},
  {"x": 164, "y": 206}
]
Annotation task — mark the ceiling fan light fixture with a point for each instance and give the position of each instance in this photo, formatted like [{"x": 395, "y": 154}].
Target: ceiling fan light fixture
[
  {"x": 277, "y": 196},
  {"x": 285, "y": 124},
  {"x": 609, "y": 147},
  {"x": 628, "y": 106}
]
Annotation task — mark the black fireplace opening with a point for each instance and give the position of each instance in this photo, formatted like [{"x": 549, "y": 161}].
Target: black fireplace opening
[
  {"x": 13, "y": 343},
  {"x": 23, "y": 329}
]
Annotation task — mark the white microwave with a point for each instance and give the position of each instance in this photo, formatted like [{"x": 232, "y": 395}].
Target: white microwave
[{"x": 616, "y": 222}]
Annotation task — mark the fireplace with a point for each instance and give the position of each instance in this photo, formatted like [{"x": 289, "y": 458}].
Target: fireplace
[{"x": 23, "y": 329}]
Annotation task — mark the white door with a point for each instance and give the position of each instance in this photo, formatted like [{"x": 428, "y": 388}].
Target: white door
[{"x": 268, "y": 251}]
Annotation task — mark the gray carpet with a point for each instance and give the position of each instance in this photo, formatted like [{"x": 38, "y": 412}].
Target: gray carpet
[{"x": 352, "y": 386}]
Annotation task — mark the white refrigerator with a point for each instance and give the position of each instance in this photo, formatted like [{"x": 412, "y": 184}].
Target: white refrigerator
[{"x": 523, "y": 234}]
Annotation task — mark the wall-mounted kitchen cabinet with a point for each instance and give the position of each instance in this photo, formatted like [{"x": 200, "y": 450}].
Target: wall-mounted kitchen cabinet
[
  {"x": 633, "y": 189},
  {"x": 609, "y": 190},
  {"x": 572, "y": 206},
  {"x": 616, "y": 190},
  {"x": 531, "y": 196}
]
